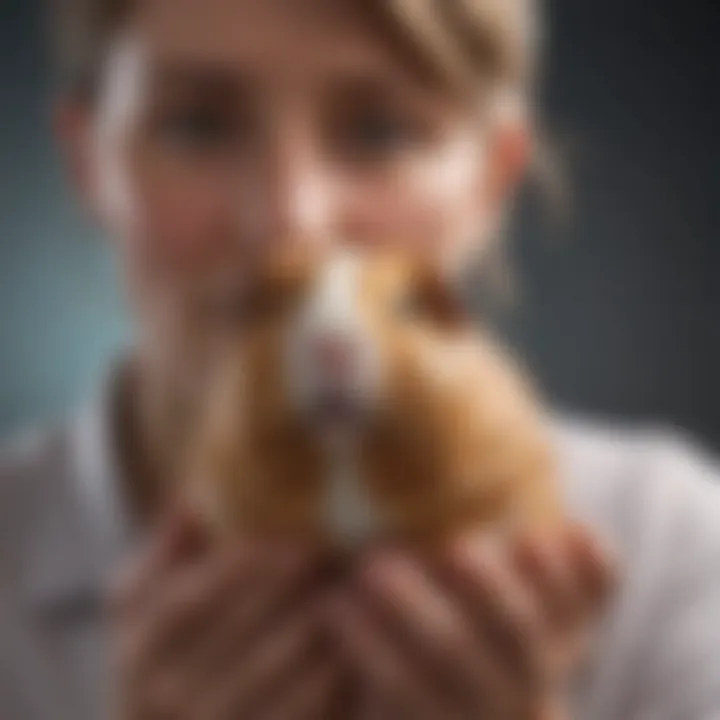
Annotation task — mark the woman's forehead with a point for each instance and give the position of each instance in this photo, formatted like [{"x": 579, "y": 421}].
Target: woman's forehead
[{"x": 291, "y": 39}]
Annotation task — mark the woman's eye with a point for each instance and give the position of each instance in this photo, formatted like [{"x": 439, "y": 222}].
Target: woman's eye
[
  {"x": 198, "y": 130},
  {"x": 376, "y": 134},
  {"x": 381, "y": 132}
]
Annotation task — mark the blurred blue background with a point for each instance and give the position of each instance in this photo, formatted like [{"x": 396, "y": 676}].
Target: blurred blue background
[
  {"x": 60, "y": 314},
  {"x": 619, "y": 316}
]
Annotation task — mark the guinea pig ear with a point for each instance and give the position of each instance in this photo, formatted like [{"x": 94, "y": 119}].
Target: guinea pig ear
[
  {"x": 291, "y": 264},
  {"x": 287, "y": 273},
  {"x": 439, "y": 299}
]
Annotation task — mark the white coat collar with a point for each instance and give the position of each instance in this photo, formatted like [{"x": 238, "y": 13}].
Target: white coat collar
[{"x": 82, "y": 528}]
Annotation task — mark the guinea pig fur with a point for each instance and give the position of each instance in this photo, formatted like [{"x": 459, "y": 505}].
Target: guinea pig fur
[{"x": 356, "y": 402}]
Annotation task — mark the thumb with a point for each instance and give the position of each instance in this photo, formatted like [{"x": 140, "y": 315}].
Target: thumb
[
  {"x": 180, "y": 534},
  {"x": 183, "y": 529},
  {"x": 177, "y": 536}
]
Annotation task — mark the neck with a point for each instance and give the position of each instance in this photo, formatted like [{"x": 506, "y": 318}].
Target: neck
[{"x": 153, "y": 429}]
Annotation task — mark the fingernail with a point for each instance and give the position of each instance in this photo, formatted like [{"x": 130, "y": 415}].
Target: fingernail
[
  {"x": 379, "y": 566},
  {"x": 488, "y": 545}
]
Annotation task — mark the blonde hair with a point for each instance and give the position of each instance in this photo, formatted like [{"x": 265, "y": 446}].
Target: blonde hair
[
  {"x": 486, "y": 49},
  {"x": 490, "y": 49},
  {"x": 481, "y": 48},
  {"x": 462, "y": 41},
  {"x": 473, "y": 42}
]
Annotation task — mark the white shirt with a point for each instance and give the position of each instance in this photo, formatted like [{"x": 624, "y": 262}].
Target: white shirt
[{"x": 652, "y": 494}]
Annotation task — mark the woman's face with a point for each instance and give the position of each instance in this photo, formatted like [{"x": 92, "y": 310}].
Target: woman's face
[{"x": 226, "y": 127}]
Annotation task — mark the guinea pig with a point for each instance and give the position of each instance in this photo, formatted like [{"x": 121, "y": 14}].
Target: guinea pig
[{"x": 357, "y": 401}]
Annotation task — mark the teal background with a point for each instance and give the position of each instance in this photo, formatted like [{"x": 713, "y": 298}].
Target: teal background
[{"x": 60, "y": 314}]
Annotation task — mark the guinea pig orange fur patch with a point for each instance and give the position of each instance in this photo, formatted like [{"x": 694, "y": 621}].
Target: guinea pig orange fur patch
[{"x": 454, "y": 439}]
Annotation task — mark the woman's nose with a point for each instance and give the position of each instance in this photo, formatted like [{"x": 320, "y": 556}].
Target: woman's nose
[{"x": 293, "y": 197}]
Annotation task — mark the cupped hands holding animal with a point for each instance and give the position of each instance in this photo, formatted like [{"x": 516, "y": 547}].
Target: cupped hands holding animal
[
  {"x": 219, "y": 631},
  {"x": 489, "y": 630},
  {"x": 485, "y": 630}
]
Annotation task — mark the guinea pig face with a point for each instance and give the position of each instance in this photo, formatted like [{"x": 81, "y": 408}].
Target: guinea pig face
[
  {"x": 354, "y": 312},
  {"x": 332, "y": 359},
  {"x": 338, "y": 342},
  {"x": 323, "y": 331}
]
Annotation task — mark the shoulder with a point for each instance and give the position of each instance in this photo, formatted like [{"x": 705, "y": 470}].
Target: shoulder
[
  {"x": 629, "y": 477},
  {"x": 36, "y": 470},
  {"x": 29, "y": 462},
  {"x": 654, "y": 495}
]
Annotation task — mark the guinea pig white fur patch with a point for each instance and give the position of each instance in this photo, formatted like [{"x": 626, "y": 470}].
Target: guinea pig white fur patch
[
  {"x": 348, "y": 512},
  {"x": 334, "y": 301},
  {"x": 333, "y": 307}
]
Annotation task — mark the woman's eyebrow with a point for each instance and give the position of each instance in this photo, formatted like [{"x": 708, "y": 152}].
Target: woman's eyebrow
[
  {"x": 216, "y": 78},
  {"x": 389, "y": 89},
  {"x": 361, "y": 86},
  {"x": 380, "y": 84}
]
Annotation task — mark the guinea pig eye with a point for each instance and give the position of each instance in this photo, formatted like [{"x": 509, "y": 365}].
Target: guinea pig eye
[{"x": 257, "y": 305}]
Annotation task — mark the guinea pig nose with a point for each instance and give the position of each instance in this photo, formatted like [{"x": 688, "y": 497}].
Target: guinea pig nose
[{"x": 334, "y": 354}]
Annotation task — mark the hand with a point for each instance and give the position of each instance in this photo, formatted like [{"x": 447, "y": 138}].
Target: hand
[
  {"x": 490, "y": 631},
  {"x": 206, "y": 633}
]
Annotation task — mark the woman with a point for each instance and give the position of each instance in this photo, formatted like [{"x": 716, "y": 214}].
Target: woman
[{"x": 199, "y": 133}]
